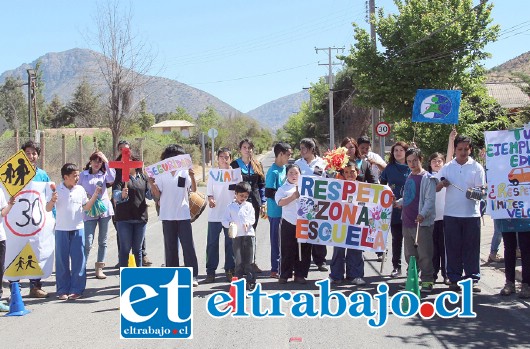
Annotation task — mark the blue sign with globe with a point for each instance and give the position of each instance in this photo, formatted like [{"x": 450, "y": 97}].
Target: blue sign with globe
[{"x": 438, "y": 106}]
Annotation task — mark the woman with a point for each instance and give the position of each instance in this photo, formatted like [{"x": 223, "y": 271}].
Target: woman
[
  {"x": 252, "y": 172},
  {"x": 131, "y": 214},
  {"x": 311, "y": 164},
  {"x": 96, "y": 174},
  {"x": 395, "y": 174}
]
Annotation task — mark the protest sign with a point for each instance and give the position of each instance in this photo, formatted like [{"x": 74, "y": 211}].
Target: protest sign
[
  {"x": 436, "y": 106},
  {"x": 175, "y": 163}
]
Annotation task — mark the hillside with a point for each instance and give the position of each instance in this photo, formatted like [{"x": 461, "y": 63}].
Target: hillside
[
  {"x": 504, "y": 72},
  {"x": 63, "y": 71},
  {"x": 274, "y": 114}
]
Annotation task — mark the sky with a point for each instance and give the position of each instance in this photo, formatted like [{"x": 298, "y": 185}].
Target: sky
[{"x": 244, "y": 52}]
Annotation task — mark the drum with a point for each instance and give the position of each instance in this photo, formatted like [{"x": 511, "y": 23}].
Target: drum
[{"x": 197, "y": 204}]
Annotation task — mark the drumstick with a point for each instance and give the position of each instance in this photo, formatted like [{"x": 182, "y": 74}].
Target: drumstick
[
  {"x": 417, "y": 231},
  {"x": 462, "y": 190}
]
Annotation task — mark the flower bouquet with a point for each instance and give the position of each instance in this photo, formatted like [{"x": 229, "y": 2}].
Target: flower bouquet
[{"x": 336, "y": 160}]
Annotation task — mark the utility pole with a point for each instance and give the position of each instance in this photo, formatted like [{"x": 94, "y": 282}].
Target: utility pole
[
  {"x": 330, "y": 78},
  {"x": 375, "y": 114}
]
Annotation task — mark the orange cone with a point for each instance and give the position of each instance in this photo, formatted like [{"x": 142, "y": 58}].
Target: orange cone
[{"x": 232, "y": 293}]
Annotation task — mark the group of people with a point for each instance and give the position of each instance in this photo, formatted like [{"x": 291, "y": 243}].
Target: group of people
[{"x": 431, "y": 219}]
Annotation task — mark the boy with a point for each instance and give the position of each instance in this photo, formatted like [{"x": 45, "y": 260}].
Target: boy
[
  {"x": 376, "y": 162},
  {"x": 71, "y": 200},
  {"x": 219, "y": 195},
  {"x": 5, "y": 208},
  {"x": 274, "y": 179},
  {"x": 241, "y": 213},
  {"x": 462, "y": 215}
]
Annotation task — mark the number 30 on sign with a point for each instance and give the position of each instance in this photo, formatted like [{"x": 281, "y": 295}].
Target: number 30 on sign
[
  {"x": 382, "y": 129},
  {"x": 28, "y": 216}
]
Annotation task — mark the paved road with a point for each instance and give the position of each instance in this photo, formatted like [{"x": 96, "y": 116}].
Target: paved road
[{"x": 93, "y": 321}]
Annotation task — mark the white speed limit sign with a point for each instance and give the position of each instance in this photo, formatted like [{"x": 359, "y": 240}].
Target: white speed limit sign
[{"x": 382, "y": 129}]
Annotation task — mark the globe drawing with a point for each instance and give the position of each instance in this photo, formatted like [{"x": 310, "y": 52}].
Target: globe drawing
[{"x": 435, "y": 106}]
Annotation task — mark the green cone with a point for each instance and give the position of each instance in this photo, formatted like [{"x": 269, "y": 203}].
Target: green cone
[{"x": 413, "y": 284}]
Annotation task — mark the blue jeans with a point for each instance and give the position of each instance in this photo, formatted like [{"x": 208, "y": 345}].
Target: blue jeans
[
  {"x": 212, "y": 248},
  {"x": 354, "y": 263},
  {"x": 462, "y": 247},
  {"x": 275, "y": 242},
  {"x": 131, "y": 235},
  {"x": 70, "y": 261},
  {"x": 495, "y": 241},
  {"x": 90, "y": 231}
]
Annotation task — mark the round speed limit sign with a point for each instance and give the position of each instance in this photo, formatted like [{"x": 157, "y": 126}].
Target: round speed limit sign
[{"x": 382, "y": 129}]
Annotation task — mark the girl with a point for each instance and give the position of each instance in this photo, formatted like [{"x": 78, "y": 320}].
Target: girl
[
  {"x": 353, "y": 258},
  {"x": 395, "y": 174},
  {"x": 96, "y": 174},
  {"x": 290, "y": 260}
]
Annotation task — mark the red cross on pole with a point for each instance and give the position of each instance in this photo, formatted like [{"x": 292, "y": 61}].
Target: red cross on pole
[{"x": 125, "y": 164}]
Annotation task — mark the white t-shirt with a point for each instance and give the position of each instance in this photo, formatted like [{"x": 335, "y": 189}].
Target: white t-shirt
[
  {"x": 3, "y": 203},
  {"x": 174, "y": 197},
  {"x": 69, "y": 207},
  {"x": 222, "y": 196},
  {"x": 289, "y": 210},
  {"x": 308, "y": 169},
  {"x": 469, "y": 175},
  {"x": 374, "y": 168},
  {"x": 240, "y": 215}
]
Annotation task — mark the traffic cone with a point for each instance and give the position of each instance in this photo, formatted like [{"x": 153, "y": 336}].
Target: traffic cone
[
  {"x": 16, "y": 307},
  {"x": 412, "y": 284},
  {"x": 132, "y": 261},
  {"x": 232, "y": 293}
]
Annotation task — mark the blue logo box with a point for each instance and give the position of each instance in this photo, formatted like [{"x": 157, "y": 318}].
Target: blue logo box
[{"x": 156, "y": 303}]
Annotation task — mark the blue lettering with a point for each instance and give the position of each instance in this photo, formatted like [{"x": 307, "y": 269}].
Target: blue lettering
[
  {"x": 212, "y": 304},
  {"x": 326, "y": 295},
  {"x": 333, "y": 190},
  {"x": 307, "y": 186}
]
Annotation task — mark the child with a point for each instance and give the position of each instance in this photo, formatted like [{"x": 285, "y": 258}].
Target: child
[
  {"x": 287, "y": 198},
  {"x": 418, "y": 213},
  {"x": 173, "y": 190},
  {"x": 353, "y": 258},
  {"x": 5, "y": 208},
  {"x": 241, "y": 213},
  {"x": 71, "y": 200},
  {"x": 274, "y": 179},
  {"x": 219, "y": 197}
]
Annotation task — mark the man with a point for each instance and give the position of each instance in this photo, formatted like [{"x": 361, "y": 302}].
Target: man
[
  {"x": 462, "y": 215},
  {"x": 377, "y": 163}
]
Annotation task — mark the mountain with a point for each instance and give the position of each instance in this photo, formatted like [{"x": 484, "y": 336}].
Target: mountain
[
  {"x": 63, "y": 71},
  {"x": 504, "y": 72},
  {"x": 275, "y": 114}
]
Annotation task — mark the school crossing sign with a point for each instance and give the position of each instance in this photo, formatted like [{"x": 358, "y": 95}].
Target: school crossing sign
[{"x": 16, "y": 173}]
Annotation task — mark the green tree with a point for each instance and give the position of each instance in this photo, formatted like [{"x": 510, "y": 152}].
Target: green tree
[
  {"x": 145, "y": 119},
  {"x": 208, "y": 119},
  {"x": 85, "y": 106},
  {"x": 13, "y": 104},
  {"x": 53, "y": 109}
]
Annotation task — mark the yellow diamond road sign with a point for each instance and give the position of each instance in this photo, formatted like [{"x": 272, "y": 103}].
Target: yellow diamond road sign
[{"x": 16, "y": 173}]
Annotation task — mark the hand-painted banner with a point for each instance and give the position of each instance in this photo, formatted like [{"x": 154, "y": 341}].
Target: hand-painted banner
[
  {"x": 437, "y": 106},
  {"x": 344, "y": 213},
  {"x": 220, "y": 176},
  {"x": 175, "y": 163},
  {"x": 30, "y": 240},
  {"x": 508, "y": 173}
]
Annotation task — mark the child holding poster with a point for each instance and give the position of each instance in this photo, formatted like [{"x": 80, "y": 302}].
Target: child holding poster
[
  {"x": 353, "y": 258},
  {"x": 290, "y": 259},
  {"x": 220, "y": 194}
]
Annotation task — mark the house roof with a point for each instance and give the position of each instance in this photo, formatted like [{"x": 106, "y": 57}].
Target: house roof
[
  {"x": 173, "y": 123},
  {"x": 508, "y": 95}
]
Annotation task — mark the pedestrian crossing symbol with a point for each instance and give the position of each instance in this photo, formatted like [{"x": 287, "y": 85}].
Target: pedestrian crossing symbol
[
  {"x": 16, "y": 173},
  {"x": 25, "y": 264}
]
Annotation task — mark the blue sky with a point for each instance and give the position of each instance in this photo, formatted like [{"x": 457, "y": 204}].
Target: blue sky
[{"x": 246, "y": 53}]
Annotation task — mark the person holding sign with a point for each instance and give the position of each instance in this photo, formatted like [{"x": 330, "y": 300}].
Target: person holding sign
[
  {"x": 220, "y": 195},
  {"x": 418, "y": 213},
  {"x": 173, "y": 189},
  {"x": 462, "y": 215},
  {"x": 70, "y": 260},
  {"x": 97, "y": 173}
]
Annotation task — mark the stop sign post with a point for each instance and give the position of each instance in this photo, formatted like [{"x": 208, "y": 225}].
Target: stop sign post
[
  {"x": 382, "y": 129},
  {"x": 212, "y": 133}
]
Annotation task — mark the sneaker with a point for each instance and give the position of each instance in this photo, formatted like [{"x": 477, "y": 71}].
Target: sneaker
[
  {"x": 195, "y": 282},
  {"x": 62, "y": 297},
  {"x": 251, "y": 286},
  {"x": 210, "y": 279},
  {"x": 4, "y": 308},
  {"x": 229, "y": 275},
  {"x": 74, "y": 296},
  {"x": 146, "y": 262},
  {"x": 36, "y": 292},
  {"x": 476, "y": 288},
  {"x": 495, "y": 258},
  {"x": 335, "y": 282},
  {"x": 256, "y": 269},
  {"x": 300, "y": 280},
  {"x": 525, "y": 291},
  {"x": 282, "y": 281},
  {"x": 322, "y": 267},
  {"x": 508, "y": 289},
  {"x": 359, "y": 282},
  {"x": 274, "y": 275},
  {"x": 454, "y": 287},
  {"x": 427, "y": 287},
  {"x": 396, "y": 272}
]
